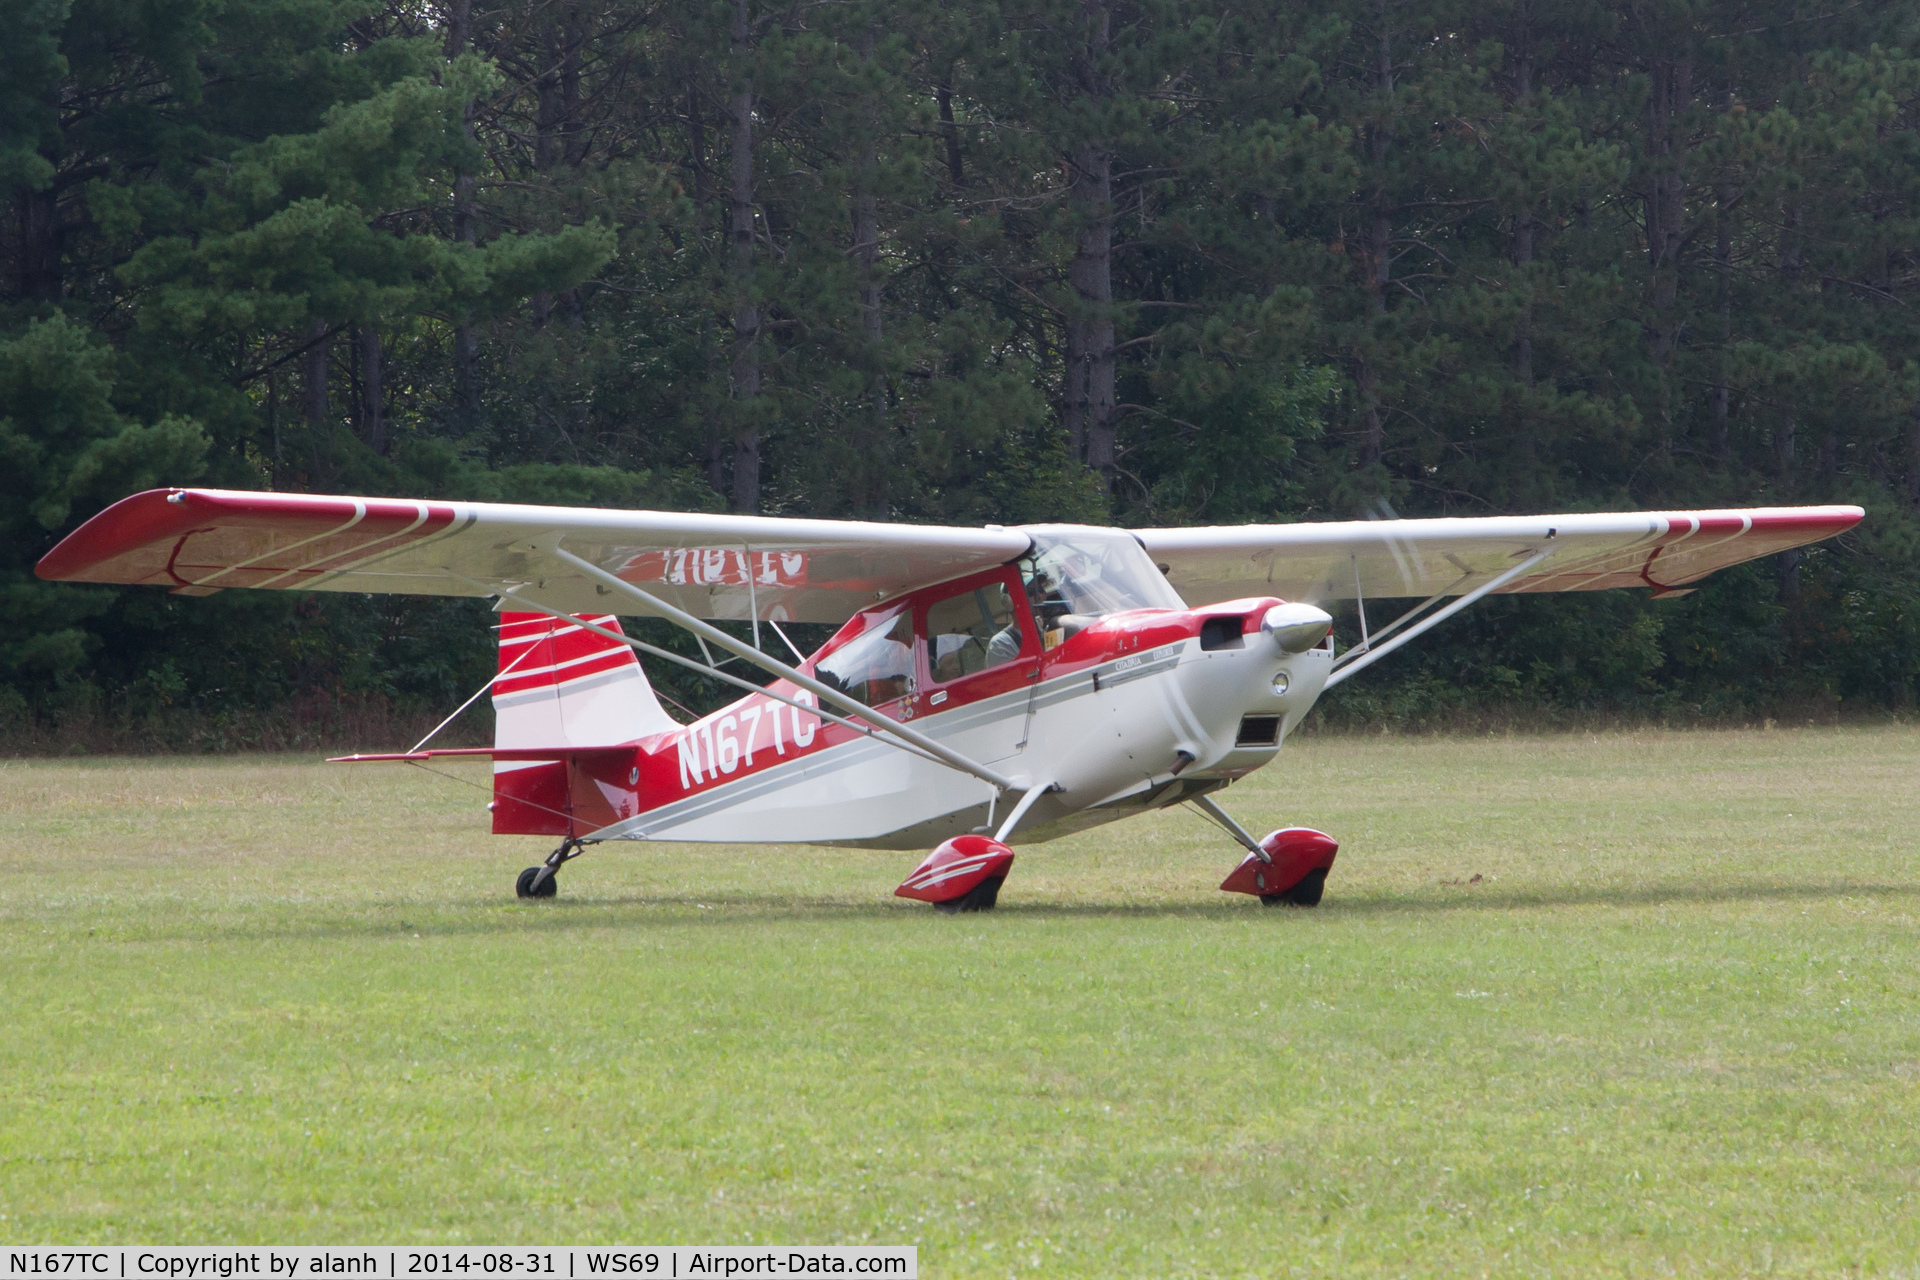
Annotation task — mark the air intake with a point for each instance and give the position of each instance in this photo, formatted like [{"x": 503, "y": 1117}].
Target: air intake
[
  {"x": 1258, "y": 731},
  {"x": 1223, "y": 633}
]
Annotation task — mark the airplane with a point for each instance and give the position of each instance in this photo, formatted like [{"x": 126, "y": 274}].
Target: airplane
[{"x": 988, "y": 687}]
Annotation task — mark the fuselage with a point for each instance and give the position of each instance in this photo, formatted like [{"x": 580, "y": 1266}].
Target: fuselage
[{"x": 1122, "y": 711}]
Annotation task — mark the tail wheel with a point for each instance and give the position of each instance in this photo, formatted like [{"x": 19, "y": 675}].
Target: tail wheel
[
  {"x": 539, "y": 882},
  {"x": 1312, "y": 887}
]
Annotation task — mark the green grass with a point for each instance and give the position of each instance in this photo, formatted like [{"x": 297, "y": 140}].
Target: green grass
[{"x": 1675, "y": 1029}]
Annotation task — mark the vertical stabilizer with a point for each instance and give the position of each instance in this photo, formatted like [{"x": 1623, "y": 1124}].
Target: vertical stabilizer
[{"x": 560, "y": 686}]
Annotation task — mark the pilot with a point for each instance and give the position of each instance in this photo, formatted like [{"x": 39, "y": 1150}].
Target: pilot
[
  {"x": 1040, "y": 587},
  {"x": 1047, "y": 597}
]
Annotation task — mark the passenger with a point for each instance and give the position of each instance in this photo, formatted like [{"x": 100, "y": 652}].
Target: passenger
[
  {"x": 1006, "y": 642},
  {"x": 890, "y": 666}
]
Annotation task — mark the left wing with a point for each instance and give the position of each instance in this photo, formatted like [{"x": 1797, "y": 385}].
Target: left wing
[
  {"x": 199, "y": 541},
  {"x": 1369, "y": 559}
]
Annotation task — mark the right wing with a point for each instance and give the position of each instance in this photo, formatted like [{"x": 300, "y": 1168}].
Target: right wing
[
  {"x": 1381, "y": 558},
  {"x": 199, "y": 541}
]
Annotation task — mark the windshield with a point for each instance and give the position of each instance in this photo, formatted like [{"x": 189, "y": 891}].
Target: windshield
[{"x": 1087, "y": 573}]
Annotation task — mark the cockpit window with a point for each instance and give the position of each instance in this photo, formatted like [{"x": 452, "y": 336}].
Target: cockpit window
[
  {"x": 972, "y": 631},
  {"x": 875, "y": 666},
  {"x": 1074, "y": 576}
]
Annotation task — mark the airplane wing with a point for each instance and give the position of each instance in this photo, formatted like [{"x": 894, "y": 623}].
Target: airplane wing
[
  {"x": 199, "y": 541},
  {"x": 1370, "y": 559}
]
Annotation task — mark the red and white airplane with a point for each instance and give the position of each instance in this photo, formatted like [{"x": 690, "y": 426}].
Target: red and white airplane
[{"x": 990, "y": 687}]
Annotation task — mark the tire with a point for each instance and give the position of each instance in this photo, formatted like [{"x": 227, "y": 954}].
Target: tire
[
  {"x": 1312, "y": 887},
  {"x": 523, "y": 887},
  {"x": 981, "y": 897}
]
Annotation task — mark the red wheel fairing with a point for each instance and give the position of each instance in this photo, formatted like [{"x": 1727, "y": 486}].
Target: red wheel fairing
[
  {"x": 1294, "y": 851},
  {"x": 956, "y": 868}
]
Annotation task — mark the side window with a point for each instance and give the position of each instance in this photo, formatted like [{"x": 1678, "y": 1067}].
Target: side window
[
  {"x": 972, "y": 631},
  {"x": 874, "y": 667}
]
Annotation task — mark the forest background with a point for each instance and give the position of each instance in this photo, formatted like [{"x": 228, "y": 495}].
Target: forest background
[{"x": 1170, "y": 262}]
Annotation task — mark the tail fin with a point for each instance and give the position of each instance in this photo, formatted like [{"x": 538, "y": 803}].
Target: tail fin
[{"x": 561, "y": 686}]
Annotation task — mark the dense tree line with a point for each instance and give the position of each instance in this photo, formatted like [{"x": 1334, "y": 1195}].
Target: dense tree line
[{"x": 1156, "y": 262}]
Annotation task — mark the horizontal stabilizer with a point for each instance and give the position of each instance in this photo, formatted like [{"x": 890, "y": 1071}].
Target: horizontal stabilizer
[{"x": 496, "y": 753}]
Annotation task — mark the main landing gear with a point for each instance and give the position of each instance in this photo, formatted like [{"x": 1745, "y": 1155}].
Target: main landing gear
[
  {"x": 964, "y": 874},
  {"x": 1289, "y": 870},
  {"x": 543, "y": 881}
]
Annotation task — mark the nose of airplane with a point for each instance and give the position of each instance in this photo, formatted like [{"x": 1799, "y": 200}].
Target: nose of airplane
[{"x": 1296, "y": 628}]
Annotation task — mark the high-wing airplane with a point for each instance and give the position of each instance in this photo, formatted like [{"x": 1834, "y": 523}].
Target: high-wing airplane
[{"x": 989, "y": 687}]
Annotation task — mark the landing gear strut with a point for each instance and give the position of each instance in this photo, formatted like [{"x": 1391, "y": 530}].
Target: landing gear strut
[
  {"x": 543, "y": 881},
  {"x": 1287, "y": 869}
]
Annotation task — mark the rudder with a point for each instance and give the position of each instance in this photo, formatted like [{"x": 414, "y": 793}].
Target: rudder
[{"x": 559, "y": 685}]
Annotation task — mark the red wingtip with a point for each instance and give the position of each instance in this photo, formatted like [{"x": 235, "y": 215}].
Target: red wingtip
[
  {"x": 144, "y": 518},
  {"x": 210, "y": 539}
]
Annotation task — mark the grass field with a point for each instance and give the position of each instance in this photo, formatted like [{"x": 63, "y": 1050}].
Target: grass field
[{"x": 1674, "y": 1028}]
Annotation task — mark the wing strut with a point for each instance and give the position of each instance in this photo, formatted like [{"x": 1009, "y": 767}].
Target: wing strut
[
  {"x": 1360, "y": 604},
  {"x": 797, "y": 655},
  {"x": 1366, "y": 643},
  {"x": 826, "y": 693},
  {"x": 1372, "y": 656}
]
